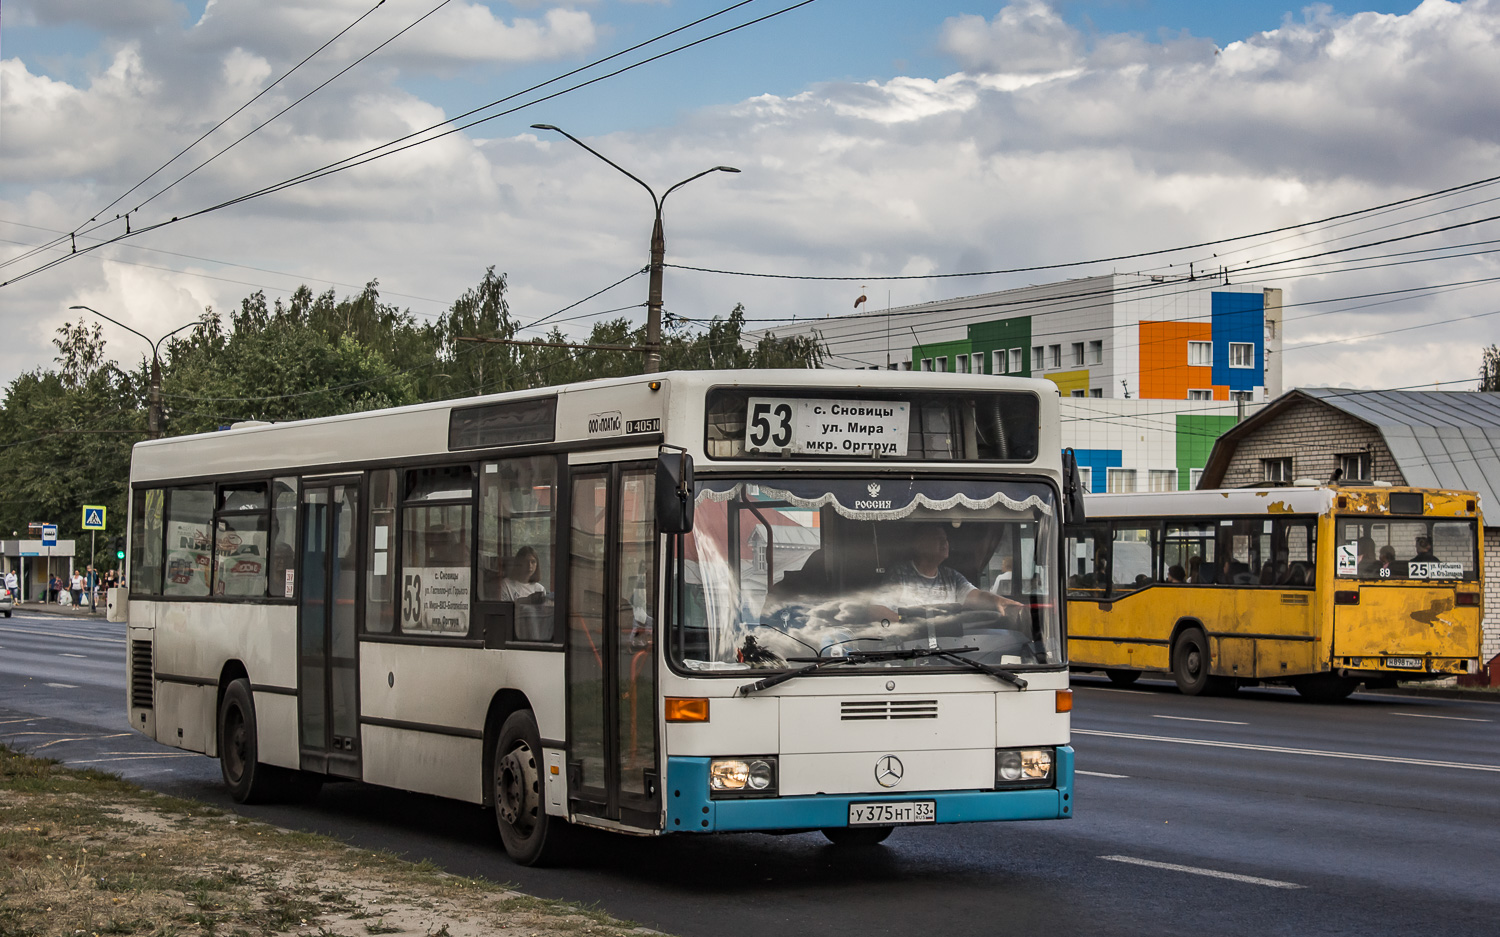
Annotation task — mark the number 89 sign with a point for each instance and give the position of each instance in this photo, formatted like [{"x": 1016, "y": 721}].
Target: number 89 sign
[{"x": 827, "y": 427}]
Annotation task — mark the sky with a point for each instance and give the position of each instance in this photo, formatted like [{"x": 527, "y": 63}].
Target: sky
[{"x": 875, "y": 138}]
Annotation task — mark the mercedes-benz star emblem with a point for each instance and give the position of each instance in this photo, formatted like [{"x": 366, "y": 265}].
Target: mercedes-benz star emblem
[{"x": 888, "y": 771}]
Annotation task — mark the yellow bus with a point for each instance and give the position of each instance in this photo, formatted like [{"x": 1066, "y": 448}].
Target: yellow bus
[{"x": 1319, "y": 587}]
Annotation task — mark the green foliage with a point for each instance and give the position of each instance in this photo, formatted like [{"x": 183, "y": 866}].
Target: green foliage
[
  {"x": 67, "y": 430},
  {"x": 1489, "y": 370}
]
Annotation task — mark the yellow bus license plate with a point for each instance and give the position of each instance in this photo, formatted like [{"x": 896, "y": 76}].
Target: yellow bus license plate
[
  {"x": 1408, "y": 663},
  {"x": 886, "y": 813}
]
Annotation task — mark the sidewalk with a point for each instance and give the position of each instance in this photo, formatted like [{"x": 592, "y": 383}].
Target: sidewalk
[{"x": 52, "y": 608}]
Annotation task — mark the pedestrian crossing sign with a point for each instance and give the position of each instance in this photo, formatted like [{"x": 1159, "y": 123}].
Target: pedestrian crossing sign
[{"x": 93, "y": 516}]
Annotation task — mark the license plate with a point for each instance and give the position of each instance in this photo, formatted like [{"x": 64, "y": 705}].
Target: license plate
[
  {"x": 887, "y": 813},
  {"x": 1406, "y": 663}
]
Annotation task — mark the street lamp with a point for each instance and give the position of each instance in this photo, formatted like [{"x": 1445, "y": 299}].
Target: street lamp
[
  {"x": 658, "y": 246},
  {"x": 153, "y": 415}
]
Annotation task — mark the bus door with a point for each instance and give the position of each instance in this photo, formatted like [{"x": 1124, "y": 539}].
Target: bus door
[
  {"x": 327, "y": 665},
  {"x": 613, "y": 769}
]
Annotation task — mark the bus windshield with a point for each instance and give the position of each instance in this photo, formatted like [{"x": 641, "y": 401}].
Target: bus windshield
[
  {"x": 1382, "y": 548},
  {"x": 782, "y": 572}
]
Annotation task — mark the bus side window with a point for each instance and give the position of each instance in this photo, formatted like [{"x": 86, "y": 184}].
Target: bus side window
[
  {"x": 1133, "y": 557},
  {"x": 380, "y": 578},
  {"x": 518, "y": 540},
  {"x": 1088, "y": 563},
  {"x": 146, "y": 541}
]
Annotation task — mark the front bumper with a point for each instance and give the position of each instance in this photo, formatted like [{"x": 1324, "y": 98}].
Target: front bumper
[{"x": 689, "y": 808}]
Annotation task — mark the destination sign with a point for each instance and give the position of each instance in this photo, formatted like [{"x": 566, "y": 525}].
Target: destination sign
[{"x": 827, "y": 427}]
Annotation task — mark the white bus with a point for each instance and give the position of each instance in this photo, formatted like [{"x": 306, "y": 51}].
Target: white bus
[{"x": 686, "y": 602}]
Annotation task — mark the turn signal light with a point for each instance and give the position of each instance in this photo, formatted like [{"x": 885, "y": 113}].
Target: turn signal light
[
  {"x": 1064, "y": 701},
  {"x": 1469, "y": 599},
  {"x": 686, "y": 709},
  {"x": 1346, "y": 597}
]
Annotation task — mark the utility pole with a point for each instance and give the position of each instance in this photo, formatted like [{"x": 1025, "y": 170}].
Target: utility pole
[
  {"x": 658, "y": 247},
  {"x": 154, "y": 428}
]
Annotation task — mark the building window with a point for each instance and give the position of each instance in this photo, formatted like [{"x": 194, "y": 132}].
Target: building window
[
  {"x": 998, "y": 363},
  {"x": 1163, "y": 480},
  {"x": 926, "y": 364},
  {"x": 1200, "y": 395},
  {"x": 1121, "y": 480},
  {"x": 1078, "y": 392},
  {"x": 1096, "y": 392},
  {"x": 942, "y": 363},
  {"x": 1016, "y": 361},
  {"x": 1055, "y": 353},
  {"x": 1086, "y": 478},
  {"x": 1242, "y": 396},
  {"x": 1078, "y": 354},
  {"x": 1195, "y": 476},
  {"x": 1096, "y": 352},
  {"x": 961, "y": 364},
  {"x": 1241, "y": 355},
  {"x": 1356, "y": 466},
  {"x": 1037, "y": 360},
  {"x": 1201, "y": 354},
  {"x": 1277, "y": 470}
]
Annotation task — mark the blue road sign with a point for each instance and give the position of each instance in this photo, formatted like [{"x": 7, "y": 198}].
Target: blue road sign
[
  {"x": 93, "y": 516},
  {"x": 49, "y": 535}
]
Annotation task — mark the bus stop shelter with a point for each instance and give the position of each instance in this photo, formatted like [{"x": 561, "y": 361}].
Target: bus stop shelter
[{"x": 33, "y": 563}]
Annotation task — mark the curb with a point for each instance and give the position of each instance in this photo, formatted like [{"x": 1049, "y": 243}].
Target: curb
[
  {"x": 1477, "y": 696},
  {"x": 56, "y": 611}
]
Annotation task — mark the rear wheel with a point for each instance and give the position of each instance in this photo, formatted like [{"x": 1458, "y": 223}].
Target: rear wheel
[
  {"x": 530, "y": 835},
  {"x": 1190, "y": 662},
  {"x": 249, "y": 781},
  {"x": 1122, "y": 677},
  {"x": 858, "y": 836},
  {"x": 1325, "y": 687}
]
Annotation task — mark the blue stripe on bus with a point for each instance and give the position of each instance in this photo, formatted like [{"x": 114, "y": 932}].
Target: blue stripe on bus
[{"x": 689, "y": 808}]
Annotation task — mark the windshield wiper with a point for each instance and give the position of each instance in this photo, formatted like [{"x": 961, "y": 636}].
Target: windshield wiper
[{"x": 859, "y": 657}]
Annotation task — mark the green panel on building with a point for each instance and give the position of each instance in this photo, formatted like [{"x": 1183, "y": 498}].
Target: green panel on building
[
  {"x": 1195, "y": 440},
  {"x": 936, "y": 350},
  {"x": 1003, "y": 335}
]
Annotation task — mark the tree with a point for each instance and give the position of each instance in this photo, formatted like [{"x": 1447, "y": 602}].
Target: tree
[{"x": 1489, "y": 370}]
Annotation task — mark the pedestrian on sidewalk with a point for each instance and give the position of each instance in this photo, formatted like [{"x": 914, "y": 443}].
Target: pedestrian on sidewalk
[
  {"x": 77, "y": 588},
  {"x": 53, "y": 585},
  {"x": 12, "y": 583}
]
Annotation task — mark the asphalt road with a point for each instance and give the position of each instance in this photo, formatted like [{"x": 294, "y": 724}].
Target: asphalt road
[{"x": 1258, "y": 814}]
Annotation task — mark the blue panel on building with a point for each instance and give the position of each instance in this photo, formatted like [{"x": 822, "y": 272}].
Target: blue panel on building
[
  {"x": 1099, "y": 462},
  {"x": 1239, "y": 317}
]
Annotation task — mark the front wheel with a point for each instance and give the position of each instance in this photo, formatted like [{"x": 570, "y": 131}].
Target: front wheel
[
  {"x": 530, "y": 835},
  {"x": 858, "y": 836}
]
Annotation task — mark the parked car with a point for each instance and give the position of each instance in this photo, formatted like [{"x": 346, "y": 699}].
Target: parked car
[{"x": 7, "y": 601}]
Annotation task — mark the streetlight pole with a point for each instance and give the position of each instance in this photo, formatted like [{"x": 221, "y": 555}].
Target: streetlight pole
[
  {"x": 153, "y": 413},
  {"x": 658, "y": 246}
]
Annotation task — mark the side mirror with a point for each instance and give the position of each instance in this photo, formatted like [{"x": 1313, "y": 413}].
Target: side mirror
[
  {"x": 1073, "y": 512},
  {"x": 674, "y": 492}
]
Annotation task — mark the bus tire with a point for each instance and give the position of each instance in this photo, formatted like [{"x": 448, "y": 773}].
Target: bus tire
[
  {"x": 249, "y": 780},
  {"x": 1122, "y": 677},
  {"x": 530, "y": 835},
  {"x": 1191, "y": 662},
  {"x": 858, "y": 836},
  {"x": 1324, "y": 687}
]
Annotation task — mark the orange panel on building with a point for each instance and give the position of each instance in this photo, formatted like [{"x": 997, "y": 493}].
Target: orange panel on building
[{"x": 1165, "y": 373}]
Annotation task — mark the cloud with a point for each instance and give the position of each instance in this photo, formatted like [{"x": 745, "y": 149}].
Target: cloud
[
  {"x": 107, "y": 16},
  {"x": 1046, "y": 146}
]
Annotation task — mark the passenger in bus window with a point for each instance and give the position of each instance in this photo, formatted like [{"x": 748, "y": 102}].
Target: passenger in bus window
[
  {"x": 522, "y": 583},
  {"x": 1002, "y": 581},
  {"x": 1424, "y": 551},
  {"x": 1176, "y": 573},
  {"x": 1368, "y": 562}
]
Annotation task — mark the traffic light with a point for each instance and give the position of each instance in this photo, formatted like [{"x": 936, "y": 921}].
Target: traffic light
[{"x": 119, "y": 548}]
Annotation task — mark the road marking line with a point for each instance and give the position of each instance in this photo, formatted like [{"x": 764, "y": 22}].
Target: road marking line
[
  {"x": 1222, "y": 722},
  {"x": 83, "y": 738},
  {"x": 63, "y": 634},
  {"x": 81, "y": 656},
  {"x": 1452, "y": 718},
  {"x": 1100, "y": 774},
  {"x": 11, "y": 722},
  {"x": 1245, "y": 746},
  {"x": 1211, "y": 873},
  {"x": 62, "y": 686},
  {"x": 95, "y": 761}
]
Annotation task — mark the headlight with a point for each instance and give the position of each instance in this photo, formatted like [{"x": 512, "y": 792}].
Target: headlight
[
  {"x": 1025, "y": 767},
  {"x": 742, "y": 777}
]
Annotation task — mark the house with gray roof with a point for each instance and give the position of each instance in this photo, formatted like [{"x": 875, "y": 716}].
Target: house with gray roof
[{"x": 1438, "y": 439}]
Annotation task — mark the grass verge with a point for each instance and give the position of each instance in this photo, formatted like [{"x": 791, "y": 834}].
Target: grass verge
[{"x": 86, "y": 853}]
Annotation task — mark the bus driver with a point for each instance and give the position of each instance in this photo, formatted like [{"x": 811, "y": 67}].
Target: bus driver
[{"x": 923, "y": 580}]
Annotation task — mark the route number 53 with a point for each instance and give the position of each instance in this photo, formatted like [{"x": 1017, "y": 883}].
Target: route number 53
[
  {"x": 411, "y": 599},
  {"x": 770, "y": 423}
]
